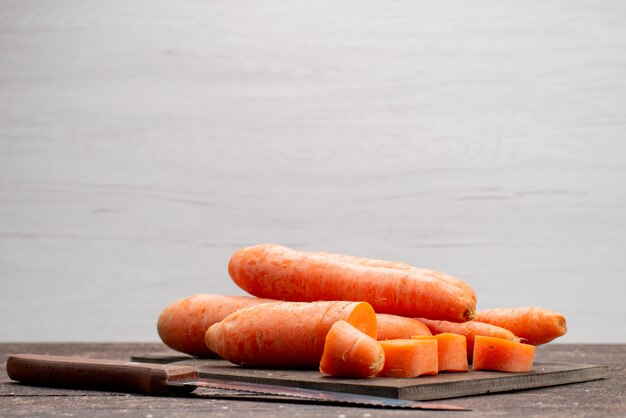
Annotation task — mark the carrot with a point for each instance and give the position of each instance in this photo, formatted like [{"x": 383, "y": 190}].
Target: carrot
[
  {"x": 470, "y": 329},
  {"x": 391, "y": 327},
  {"x": 451, "y": 351},
  {"x": 277, "y": 272},
  {"x": 409, "y": 358},
  {"x": 182, "y": 325},
  {"x": 349, "y": 352},
  {"x": 533, "y": 325},
  {"x": 285, "y": 334},
  {"x": 372, "y": 262},
  {"x": 492, "y": 353}
]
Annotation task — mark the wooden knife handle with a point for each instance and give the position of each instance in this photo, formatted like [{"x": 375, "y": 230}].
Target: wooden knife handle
[{"x": 82, "y": 373}]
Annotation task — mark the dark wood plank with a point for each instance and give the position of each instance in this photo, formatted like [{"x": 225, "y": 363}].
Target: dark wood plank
[
  {"x": 442, "y": 386},
  {"x": 160, "y": 357}
]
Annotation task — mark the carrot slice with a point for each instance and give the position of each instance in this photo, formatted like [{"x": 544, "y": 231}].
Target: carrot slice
[
  {"x": 451, "y": 351},
  {"x": 183, "y": 324},
  {"x": 409, "y": 357},
  {"x": 532, "y": 324},
  {"x": 392, "y": 327},
  {"x": 470, "y": 329},
  {"x": 492, "y": 353},
  {"x": 285, "y": 334},
  {"x": 349, "y": 352},
  {"x": 277, "y": 272}
]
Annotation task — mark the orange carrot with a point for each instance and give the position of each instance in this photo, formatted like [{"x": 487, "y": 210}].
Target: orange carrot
[
  {"x": 470, "y": 329},
  {"x": 372, "y": 262},
  {"x": 451, "y": 351},
  {"x": 492, "y": 353},
  {"x": 409, "y": 358},
  {"x": 349, "y": 352},
  {"x": 276, "y": 272},
  {"x": 392, "y": 327},
  {"x": 183, "y": 324},
  {"x": 285, "y": 334},
  {"x": 532, "y": 324}
]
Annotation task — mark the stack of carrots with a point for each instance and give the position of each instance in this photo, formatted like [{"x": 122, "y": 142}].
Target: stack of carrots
[{"x": 353, "y": 317}]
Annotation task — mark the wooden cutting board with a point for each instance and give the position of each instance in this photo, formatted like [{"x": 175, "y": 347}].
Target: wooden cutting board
[{"x": 442, "y": 386}]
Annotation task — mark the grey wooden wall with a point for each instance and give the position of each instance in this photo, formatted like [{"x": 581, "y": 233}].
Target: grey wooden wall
[{"x": 142, "y": 142}]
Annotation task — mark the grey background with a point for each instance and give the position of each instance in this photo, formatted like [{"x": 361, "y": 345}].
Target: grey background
[{"x": 141, "y": 143}]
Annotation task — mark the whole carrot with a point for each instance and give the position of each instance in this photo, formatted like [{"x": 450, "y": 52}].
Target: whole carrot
[
  {"x": 470, "y": 329},
  {"x": 277, "y": 272},
  {"x": 349, "y": 352},
  {"x": 373, "y": 262},
  {"x": 285, "y": 334},
  {"x": 183, "y": 324},
  {"x": 532, "y": 324}
]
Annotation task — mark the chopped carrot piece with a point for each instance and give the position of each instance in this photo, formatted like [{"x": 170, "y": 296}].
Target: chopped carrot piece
[
  {"x": 349, "y": 352},
  {"x": 470, "y": 329},
  {"x": 492, "y": 353},
  {"x": 451, "y": 350},
  {"x": 409, "y": 358},
  {"x": 392, "y": 327}
]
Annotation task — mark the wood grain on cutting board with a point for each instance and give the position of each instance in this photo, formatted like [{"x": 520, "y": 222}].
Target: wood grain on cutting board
[{"x": 442, "y": 386}]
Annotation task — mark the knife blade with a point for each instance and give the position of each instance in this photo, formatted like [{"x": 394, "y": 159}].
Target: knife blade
[{"x": 166, "y": 379}]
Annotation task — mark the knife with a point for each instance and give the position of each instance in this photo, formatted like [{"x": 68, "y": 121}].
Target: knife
[{"x": 167, "y": 379}]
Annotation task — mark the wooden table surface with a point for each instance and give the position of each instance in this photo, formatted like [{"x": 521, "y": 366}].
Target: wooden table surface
[{"x": 600, "y": 398}]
